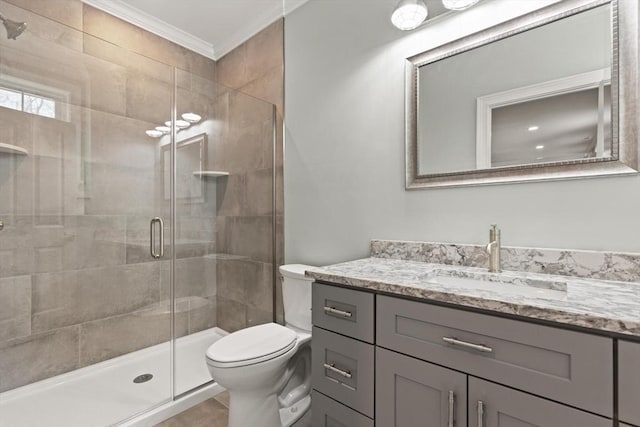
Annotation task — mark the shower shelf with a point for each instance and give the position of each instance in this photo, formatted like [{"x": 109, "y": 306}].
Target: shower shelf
[
  {"x": 12, "y": 149},
  {"x": 211, "y": 174}
]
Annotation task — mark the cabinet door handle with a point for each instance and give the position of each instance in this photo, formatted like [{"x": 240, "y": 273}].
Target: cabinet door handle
[
  {"x": 480, "y": 409},
  {"x": 333, "y": 310},
  {"x": 332, "y": 368},
  {"x": 469, "y": 345},
  {"x": 452, "y": 404}
]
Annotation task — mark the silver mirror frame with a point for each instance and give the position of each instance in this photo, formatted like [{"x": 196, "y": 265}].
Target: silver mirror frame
[{"x": 624, "y": 94}]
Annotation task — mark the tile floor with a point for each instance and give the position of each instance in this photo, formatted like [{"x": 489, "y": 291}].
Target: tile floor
[{"x": 213, "y": 413}]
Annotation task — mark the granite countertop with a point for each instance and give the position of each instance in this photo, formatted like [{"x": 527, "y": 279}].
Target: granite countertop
[{"x": 607, "y": 306}]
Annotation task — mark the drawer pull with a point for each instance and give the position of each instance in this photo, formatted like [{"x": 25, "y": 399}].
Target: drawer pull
[
  {"x": 472, "y": 346},
  {"x": 452, "y": 404},
  {"x": 332, "y": 368},
  {"x": 480, "y": 413},
  {"x": 335, "y": 311}
]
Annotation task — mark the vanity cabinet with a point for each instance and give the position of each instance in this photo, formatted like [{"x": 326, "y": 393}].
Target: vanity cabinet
[
  {"x": 416, "y": 393},
  {"x": 433, "y": 365},
  {"x": 494, "y": 405},
  {"x": 629, "y": 382}
]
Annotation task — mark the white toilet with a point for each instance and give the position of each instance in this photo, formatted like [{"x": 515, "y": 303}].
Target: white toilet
[{"x": 267, "y": 368}]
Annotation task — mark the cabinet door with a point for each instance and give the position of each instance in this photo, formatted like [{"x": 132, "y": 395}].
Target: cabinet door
[
  {"x": 492, "y": 405},
  {"x": 326, "y": 412},
  {"x": 413, "y": 393},
  {"x": 629, "y": 382}
]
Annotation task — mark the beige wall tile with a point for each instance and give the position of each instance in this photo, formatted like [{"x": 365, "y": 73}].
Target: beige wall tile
[
  {"x": 38, "y": 357},
  {"x": 73, "y": 297},
  {"x": 235, "y": 277},
  {"x": 15, "y": 307},
  {"x": 202, "y": 314},
  {"x": 67, "y": 12},
  {"x": 41, "y": 31},
  {"x": 231, "y": 314},
  {"x": 107, "y": 338},
  {"x": 249, "y": 236}
]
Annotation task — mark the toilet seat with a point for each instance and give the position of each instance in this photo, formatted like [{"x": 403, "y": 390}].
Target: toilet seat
[{"x": 251, "y": 345}]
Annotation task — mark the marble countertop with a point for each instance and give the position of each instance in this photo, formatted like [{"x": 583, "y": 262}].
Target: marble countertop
[{"x": 596, "y": 304}]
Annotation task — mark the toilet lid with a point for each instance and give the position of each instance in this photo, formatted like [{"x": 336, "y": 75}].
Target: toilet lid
[{"x": 252, "y": 345}]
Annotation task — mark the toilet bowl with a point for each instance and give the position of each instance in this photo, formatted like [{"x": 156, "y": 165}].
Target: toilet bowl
[{"x": 267, "y": 368}]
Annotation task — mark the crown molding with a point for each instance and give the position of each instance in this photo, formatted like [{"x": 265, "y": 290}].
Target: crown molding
[
  {"x": 148, "y": 22},
  {"x": 254, "y": 27}
]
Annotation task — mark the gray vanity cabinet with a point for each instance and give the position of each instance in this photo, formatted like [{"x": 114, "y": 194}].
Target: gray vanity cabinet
[
  {"x": 492, "y": 405},
  {"x": 413, "y": 393},
  {"x": 629, "y": 382}
]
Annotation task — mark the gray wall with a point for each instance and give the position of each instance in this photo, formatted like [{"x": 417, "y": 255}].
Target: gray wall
[{"x": 344, "y": 174}]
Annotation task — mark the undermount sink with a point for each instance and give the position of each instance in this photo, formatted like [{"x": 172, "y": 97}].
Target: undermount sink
[{"x": 500, "y": 282}]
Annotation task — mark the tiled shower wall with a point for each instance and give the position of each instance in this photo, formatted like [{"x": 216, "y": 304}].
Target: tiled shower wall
[
  {"x": 77, "y": 285},
  {"x": 245, "y": 288}
]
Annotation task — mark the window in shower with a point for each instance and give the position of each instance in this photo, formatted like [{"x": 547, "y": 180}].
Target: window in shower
[{"x": 30, "y": 97}]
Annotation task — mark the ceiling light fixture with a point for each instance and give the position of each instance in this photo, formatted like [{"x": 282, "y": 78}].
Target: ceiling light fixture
[
  {"x": 182, "y": 124},
  {"x": 154, "y": 133},
  {"x": 539, "y": 147},
  {"x": 458, "y": 4},
  {"x": 409, "y": 14},
  {"x": 163, "y": 129},
  {"x": 191, "y": 117},
  {"x": 533, "y": 128}
]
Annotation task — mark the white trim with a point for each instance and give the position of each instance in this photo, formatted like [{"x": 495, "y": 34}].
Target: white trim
[
  {"x": 135, "y": 16},
  {"x": 485, "y": 104}
]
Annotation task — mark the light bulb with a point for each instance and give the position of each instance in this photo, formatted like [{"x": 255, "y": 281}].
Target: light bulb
[
  {"x": 409, "y": 14},
  {"x": 458, "y": 4}
]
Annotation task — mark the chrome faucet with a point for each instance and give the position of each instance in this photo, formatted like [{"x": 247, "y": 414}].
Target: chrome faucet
[{"x": 493, "y": 249}]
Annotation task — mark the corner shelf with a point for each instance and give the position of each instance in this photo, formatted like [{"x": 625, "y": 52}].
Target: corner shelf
[
  {"x": 12, "y": 149},
  {"x": 211, "y": 174}
]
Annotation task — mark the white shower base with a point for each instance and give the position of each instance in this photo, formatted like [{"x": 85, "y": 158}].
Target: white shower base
[{"x": 104, "y": 394}]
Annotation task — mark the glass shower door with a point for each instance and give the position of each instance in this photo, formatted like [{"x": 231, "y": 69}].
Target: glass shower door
[
  {"x": 85, "y": 310},
  {"x": 224, "y": 221}
]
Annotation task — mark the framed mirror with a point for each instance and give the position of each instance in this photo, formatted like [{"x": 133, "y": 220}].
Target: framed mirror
[{"x": 549, "y": 95}]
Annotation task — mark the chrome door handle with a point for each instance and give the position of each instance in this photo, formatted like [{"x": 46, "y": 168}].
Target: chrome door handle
[
  {"x": 152, "y": 238},
  {"x": 480, "y": 409},
  {"x": 472, "y": 346},
  {"x": 333, "y": 310},
  {"x": 332, "y": 368},
  {"x": 452, "y": 404},
  {"x": 1, "y": 225}
]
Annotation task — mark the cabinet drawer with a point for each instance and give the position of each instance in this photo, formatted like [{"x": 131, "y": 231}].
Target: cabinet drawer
[
  {"x": 570, "y": 367},
  {"x": 344, "y": 311},
  {"x": 326, "y": 412},
  {"x": 505, "y": 407},
  {"x": 629, "y": 382},
  {"x": 412, "y": 392},
  {"x": 342, "y": 368}
]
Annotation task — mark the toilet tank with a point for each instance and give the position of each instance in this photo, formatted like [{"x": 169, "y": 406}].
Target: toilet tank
[{"x": 296, "y": 294}]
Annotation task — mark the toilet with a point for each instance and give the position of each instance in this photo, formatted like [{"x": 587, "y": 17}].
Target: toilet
[{"x": 267, "y": 368}]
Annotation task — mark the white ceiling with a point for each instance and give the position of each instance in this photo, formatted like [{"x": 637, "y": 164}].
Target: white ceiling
[{"x": 209, "y": 27}]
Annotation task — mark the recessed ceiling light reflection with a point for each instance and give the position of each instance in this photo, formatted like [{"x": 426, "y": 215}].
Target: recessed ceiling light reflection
[
  {"x": 153, "y": 133},
  {"x": 539, "y": 147},
  {"x": 191, "y": 117},
  {"x": 533, "y": 128},
  {"x": 168, "y": 123},
  {"x": 182, "y": 124},
  {"x": 163, "y": 129}
]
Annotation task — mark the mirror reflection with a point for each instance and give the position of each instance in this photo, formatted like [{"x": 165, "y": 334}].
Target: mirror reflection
[{"x": 540, "y": 96}]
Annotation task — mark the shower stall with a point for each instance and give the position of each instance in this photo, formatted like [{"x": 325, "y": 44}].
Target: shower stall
[{"x": 137, "y": 211}]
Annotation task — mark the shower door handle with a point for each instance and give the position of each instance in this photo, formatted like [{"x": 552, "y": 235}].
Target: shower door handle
[{"x": 152, "y": 239}]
